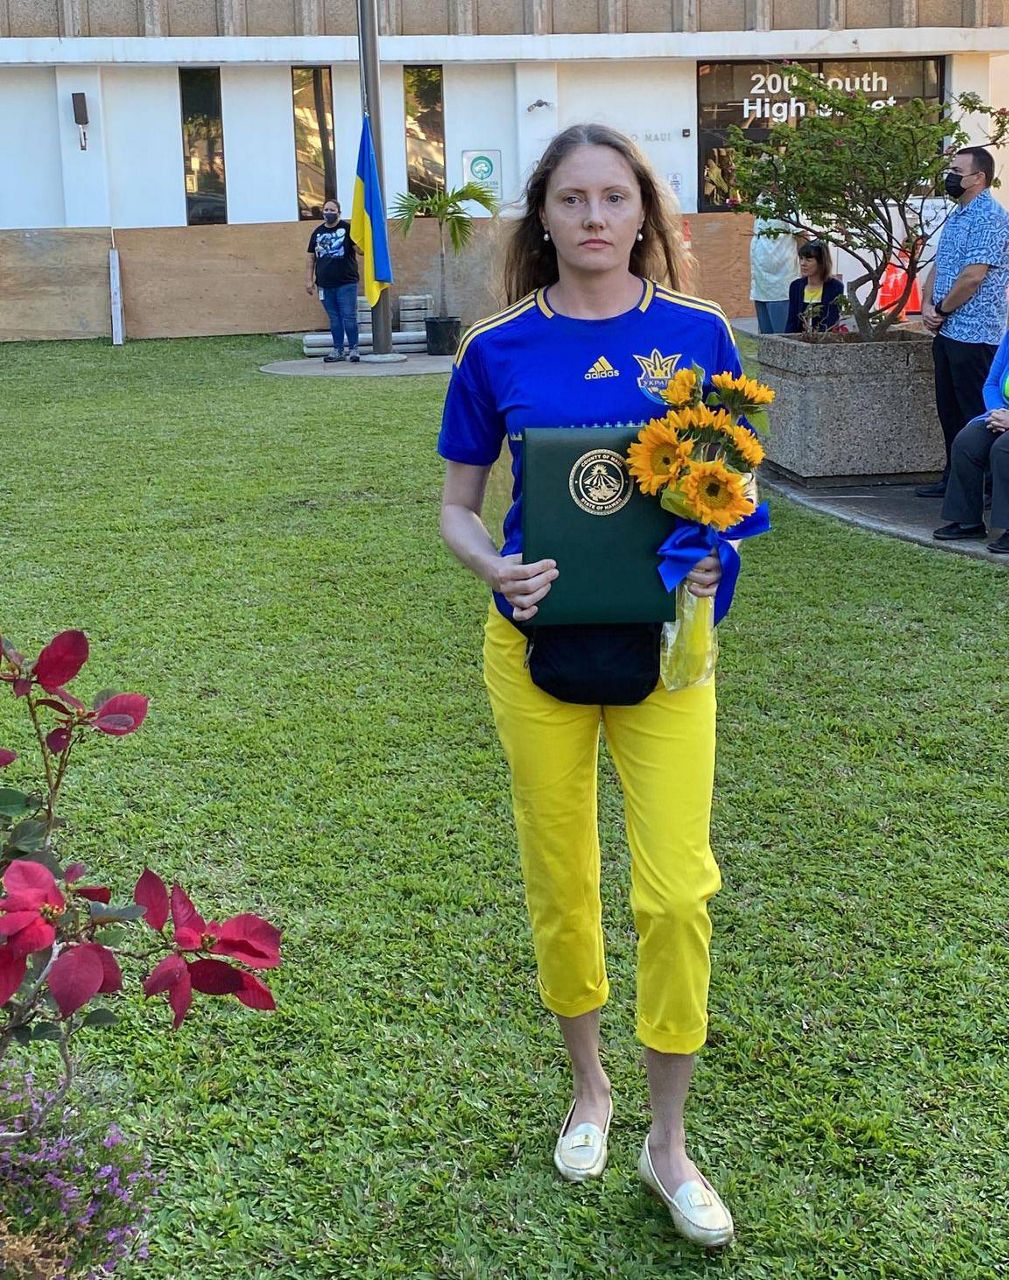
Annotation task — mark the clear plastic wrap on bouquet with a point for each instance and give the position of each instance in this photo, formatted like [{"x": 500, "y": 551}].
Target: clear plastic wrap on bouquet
[{"x": 689, "y": 649}]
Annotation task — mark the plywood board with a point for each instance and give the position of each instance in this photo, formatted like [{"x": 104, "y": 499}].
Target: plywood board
[
  {"x": 199, "y": 281},
  {"x": 196, "y": 281},
  {"x": 721, "y": 245},
  {"x": 54, "y": 284}
]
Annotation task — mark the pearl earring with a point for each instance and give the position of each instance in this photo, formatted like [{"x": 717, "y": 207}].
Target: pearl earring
[
  {"x": 640, "y": 236},
  {"x": 546, "y": 235}
]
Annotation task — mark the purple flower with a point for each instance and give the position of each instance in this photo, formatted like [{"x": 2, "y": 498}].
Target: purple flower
[{"x": 66, "y": 1171}]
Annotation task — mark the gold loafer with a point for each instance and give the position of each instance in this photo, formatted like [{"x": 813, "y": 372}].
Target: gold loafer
[
  {"x": 696, "y": 1208},
  {"x": 581, "y": 1154}
]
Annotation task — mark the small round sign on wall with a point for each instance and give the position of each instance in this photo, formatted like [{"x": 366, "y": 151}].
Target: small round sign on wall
[{"x": 483, "y": 167}]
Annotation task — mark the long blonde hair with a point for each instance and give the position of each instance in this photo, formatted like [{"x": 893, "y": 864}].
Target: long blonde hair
[{"x": 531, "y": 261}]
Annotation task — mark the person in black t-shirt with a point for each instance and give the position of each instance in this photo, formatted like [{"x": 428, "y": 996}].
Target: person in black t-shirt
[{"x": 332, "y": 268}]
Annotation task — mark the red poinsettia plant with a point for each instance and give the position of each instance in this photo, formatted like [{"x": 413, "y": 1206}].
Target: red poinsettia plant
[{"x": 61, "y": 939}]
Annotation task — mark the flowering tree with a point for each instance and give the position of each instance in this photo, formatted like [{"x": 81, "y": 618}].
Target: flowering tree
[
  {"x": 863, "y": 173},
  {"x": 60, "y": 938}
]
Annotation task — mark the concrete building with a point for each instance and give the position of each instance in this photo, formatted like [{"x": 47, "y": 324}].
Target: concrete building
[{"x": 200, "y": 136}]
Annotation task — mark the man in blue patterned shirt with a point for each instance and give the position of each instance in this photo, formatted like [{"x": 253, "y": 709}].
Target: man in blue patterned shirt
[{"x": 964, "y": 298}]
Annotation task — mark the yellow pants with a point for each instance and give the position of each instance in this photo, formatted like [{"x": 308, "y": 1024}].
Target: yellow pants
[{"x": 664, "y": 751}]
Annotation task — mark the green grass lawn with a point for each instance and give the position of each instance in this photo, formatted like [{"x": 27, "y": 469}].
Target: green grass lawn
[{"x": 260, "y": 555}]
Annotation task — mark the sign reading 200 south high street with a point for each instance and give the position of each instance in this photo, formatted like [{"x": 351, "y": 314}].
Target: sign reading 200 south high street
[{"x": 758, "y": 95}]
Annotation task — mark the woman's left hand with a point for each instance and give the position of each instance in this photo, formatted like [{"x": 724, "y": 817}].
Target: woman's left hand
[
  {"x": 998, "y": 420},
  {"x": 704, "y": 577}
]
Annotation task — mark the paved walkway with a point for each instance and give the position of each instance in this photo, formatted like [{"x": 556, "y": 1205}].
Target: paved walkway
[
  {"x": 311, "y": 367},
  {"x": 884, "y": 508}
]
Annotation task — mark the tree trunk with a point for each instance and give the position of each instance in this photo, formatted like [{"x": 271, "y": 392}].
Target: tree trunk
[{"x": 441, "y": 272}]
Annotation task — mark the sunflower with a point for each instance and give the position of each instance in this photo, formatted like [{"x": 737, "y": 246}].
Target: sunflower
[
  {"x": 658, "y": 456},
  {"x": 715, "y": 419},
  {"x": 715, "y": 494},
  {"x": 681, "y": 389},
  {"x": 742, "y": 389},
  {"x": 748, "y": 445},
  {"x": 689, "y": 417}
]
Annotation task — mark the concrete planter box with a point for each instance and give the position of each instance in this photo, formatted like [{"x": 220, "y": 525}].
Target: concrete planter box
[{"x": 853, "y": 412}]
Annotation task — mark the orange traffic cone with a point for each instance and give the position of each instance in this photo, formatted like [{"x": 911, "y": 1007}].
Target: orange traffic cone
[{"x": 893, "y": 284}]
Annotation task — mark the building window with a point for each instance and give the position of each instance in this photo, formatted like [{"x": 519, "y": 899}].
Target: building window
[
  {"x": 757, "y": 95},
  {"x": 203, "y": 145},
  {"x": 425, "y": 130},
  {"x": 313, "y": 139}
]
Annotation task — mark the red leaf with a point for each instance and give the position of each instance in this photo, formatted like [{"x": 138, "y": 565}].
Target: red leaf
[
  {"x": 180, "y": 997},
  {"x": 250, "y": 939},
  {"x": 95, "y": 893},
  {"x": 74, "y": 872},
  {"x": 61, "y": 659},
  {"x": 117, "y": 726},
  {"x": 112, "y": 975},
  {"x": 53, "y": 705},
  {"x": 10, "y": 653},
  {"x": 66, "y": 696},
  {"x": 12, "y": 973},
  {"x": 214, "y": 977},
  {"x": 75, "y": 977},
  {"x": 122, "y": 714},
  {"x": 57, "y": 740},
  {"x": 165, "y": 974},
  {"x": 21, "y": 686},
  {"x": 186, "y": 917},
  {"x": 37, "y": 936},
  {"x": 25, "y": 876},
  {"x": 255, "y": 994},
  {"x": 151, "y": 894},
  {"x": 7, "y": 757}
]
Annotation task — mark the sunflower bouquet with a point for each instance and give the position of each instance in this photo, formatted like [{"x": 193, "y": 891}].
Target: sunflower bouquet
[{"x": 701, "y": 460}]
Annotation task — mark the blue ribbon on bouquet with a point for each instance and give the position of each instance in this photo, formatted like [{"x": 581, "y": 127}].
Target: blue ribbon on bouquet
[{"x": 691, "y": 542}]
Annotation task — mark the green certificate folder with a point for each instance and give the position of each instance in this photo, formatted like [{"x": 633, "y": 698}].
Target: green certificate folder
[{"x": 583, "y": 508}]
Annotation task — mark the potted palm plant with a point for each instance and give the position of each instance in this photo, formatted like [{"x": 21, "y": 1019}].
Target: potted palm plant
[{"x": 455, "y": 228}]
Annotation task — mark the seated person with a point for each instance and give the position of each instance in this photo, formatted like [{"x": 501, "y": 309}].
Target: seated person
[
  {"x": 817, "y": 288},
  {"x": 982, "y": 443}
]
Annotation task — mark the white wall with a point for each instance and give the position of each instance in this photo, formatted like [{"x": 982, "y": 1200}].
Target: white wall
[
  {"x": 143, "y": 130},
  {"x": 85, "y": 172},
  {"x": 257, "y": 110},
  {"x": 653, "y": 102},
  {"x": 31, "y": 176},
  {"x": 535, "y": 82},
  {"x": 480, "y": 113},
  {"x": 998, "y": 96}
]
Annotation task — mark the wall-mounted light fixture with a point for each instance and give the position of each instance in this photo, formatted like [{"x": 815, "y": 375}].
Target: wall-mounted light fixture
[
  {"x": 540, "y": 102},
  {"x": 81, "y": 118}
]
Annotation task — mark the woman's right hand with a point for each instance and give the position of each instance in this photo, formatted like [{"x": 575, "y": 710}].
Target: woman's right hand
[{"x": 523, "y": 585}]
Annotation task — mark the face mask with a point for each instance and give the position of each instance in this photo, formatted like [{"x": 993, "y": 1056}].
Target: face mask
[
  {"x": 330, "y": 218},
  {"x": 953, "y": 183}
]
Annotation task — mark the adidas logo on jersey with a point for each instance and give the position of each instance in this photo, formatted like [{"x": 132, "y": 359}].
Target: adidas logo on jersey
[{"x": 602, "y": 369}]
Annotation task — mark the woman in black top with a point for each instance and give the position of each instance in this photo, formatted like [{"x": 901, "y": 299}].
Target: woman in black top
[
  {"x": 817, "y": 289},
  {"x": 332, "y": 267}
]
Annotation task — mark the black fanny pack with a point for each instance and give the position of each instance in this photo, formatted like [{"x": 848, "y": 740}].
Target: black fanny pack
[{"x": 604, "y": 664}]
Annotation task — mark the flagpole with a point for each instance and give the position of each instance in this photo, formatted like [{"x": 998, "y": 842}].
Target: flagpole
[{"x": 371, "y": 106}]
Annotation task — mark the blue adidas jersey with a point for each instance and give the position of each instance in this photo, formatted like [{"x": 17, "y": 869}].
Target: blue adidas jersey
[{"x": 528, "y": 367}]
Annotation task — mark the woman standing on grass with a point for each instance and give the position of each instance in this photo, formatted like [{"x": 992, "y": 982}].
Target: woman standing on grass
[{"x": 591, "y": 272}]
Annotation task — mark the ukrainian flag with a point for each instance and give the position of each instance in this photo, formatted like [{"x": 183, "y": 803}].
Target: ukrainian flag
[{"x": 367, "y": 221}]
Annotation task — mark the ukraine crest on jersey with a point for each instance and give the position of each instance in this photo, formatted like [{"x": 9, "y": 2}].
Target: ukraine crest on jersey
[{"x": 656, "y": 370}]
